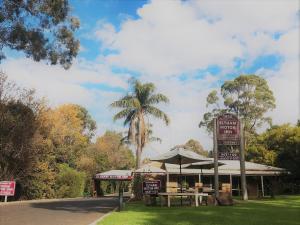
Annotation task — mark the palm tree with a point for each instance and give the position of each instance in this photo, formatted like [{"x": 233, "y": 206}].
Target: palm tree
[{"x": 136, "y": 106}]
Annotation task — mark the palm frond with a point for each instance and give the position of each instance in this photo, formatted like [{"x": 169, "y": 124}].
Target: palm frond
[
  {"x": 122, "y": 114},
  {"x": 127, "y": 101},
  {"x": 157, "y": 98},
  {"x": 129, "y": 117},
  {"x": 157, "y": 113}
]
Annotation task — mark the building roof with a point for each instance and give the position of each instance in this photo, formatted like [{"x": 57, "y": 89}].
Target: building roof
[
  {"x": 114, "y": 175},
  {"x": 149, "y": 168},
  {"x": 230, "y": 167}
]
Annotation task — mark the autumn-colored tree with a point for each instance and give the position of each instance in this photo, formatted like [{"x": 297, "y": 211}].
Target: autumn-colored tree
[
  {"x": 195, "y": 146},
  {"x": 70, "y": 130},
  {"x": 107, "y": 153},
  {"x": 118, "y": 156}
]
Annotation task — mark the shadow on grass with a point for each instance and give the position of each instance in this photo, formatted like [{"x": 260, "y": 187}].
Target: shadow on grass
[
  {"x": 102, "y": 205},
  {"x": 283, "y": 211}
]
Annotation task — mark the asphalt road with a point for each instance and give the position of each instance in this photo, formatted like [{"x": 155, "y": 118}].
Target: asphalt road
[{"x": 64, "y": 212}]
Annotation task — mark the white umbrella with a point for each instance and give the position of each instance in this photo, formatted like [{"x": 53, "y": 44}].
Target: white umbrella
[{"x": 180, "y": 155}]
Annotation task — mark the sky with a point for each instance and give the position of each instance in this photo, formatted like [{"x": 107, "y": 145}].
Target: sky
[{"x": 186, "y": 48}]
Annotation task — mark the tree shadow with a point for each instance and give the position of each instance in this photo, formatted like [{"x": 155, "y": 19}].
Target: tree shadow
[{"x": 102, "y": 205}]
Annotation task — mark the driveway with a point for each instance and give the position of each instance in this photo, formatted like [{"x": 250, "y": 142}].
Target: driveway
[{"x": 57, "y": 212}]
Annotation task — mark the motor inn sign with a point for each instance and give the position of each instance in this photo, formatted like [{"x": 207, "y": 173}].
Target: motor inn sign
[{"x": 228, "y": 129}]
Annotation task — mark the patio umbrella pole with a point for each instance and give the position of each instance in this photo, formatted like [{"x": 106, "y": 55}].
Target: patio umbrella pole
[{"x": 180, "y": 180}]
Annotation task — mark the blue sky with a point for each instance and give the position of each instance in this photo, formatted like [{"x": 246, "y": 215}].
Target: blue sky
[{"x": 187, "y": 48}]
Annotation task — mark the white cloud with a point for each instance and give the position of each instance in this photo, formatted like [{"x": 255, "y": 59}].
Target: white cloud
[
  {"x": 61, "y": 86},
  {"x": 171, "y": 38},
  {"x": 285, "y": 85},
  {"x": 174, "y": 37}
]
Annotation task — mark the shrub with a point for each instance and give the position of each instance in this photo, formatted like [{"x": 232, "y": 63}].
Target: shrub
[{"x": 69, "y": 183}]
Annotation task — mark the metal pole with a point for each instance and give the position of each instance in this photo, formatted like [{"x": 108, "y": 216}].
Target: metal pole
[
  {"x": 120, "y": 196},
  {"x": 262, "y": 186},
  {"x": 5, "y": 198},
  {"x": 242, "y": 163},
  {"x": 167, "y": 186},
  {"x": 180, "y": 180},
  {"x": 216, "y": 172}
]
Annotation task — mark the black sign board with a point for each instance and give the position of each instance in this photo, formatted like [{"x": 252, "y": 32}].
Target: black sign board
[
  {"x": 151, "y": 187},
  {"x": 228, "y": 155}
]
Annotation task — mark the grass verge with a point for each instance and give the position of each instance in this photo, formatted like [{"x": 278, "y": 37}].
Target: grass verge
[{"x": 283, "y": 210}]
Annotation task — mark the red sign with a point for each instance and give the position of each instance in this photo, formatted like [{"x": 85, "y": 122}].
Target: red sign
[
  {"x": 7, "y": 188},
  {"x": 228, "y": 129}
]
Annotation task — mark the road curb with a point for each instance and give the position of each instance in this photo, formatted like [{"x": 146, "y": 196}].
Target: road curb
[
  {"x": 107, "y": 214},
  {"x": 104, "y": 216}
]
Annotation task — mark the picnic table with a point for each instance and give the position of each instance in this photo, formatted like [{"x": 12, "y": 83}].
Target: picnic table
[{"x": 198, "y": 196}]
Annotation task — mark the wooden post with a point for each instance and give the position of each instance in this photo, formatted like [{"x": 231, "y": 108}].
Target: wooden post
[
  {"x": 262, "y": 186},
  {"x": 230, "y": 178},
  {"x": 242, "y": 163},
  {"x": 216, "y": 172}
]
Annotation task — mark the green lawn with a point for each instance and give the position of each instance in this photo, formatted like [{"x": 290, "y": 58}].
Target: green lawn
[{"x": 283, "y": 210}]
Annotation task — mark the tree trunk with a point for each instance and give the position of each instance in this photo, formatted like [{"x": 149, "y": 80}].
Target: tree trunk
[
  {"x": 139, "y": 145},
  {"x": 138, "y": 157}
]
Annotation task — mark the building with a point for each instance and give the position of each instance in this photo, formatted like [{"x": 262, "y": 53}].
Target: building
[{"x": 262, "y": 180}]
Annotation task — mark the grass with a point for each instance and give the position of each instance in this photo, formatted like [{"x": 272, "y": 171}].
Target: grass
[{"x": 283, "y": 210}]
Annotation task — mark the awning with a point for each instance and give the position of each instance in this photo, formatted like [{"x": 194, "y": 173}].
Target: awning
[{"x": 120, "y": 175}]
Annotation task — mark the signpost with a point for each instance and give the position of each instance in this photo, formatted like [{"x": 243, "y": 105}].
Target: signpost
[
  {"x": 228, "y": 133},
  {"x": 7, "y": 188}
]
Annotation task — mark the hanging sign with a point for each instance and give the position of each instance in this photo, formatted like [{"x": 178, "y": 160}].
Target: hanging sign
[
  {"x": 228, "y": 136},
  {"x": 228, "y": 129}
]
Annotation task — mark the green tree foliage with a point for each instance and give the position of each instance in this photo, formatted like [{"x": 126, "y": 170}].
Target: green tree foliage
[
  {"x": 283, "y": 144},
  {"x": 137, "y": 105},
  {"x": 69, "y": 182},
  {"x": 247, "y": 96},
  {"x": 43, "y": 30},
  {"x": 18, "y": 124}
]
